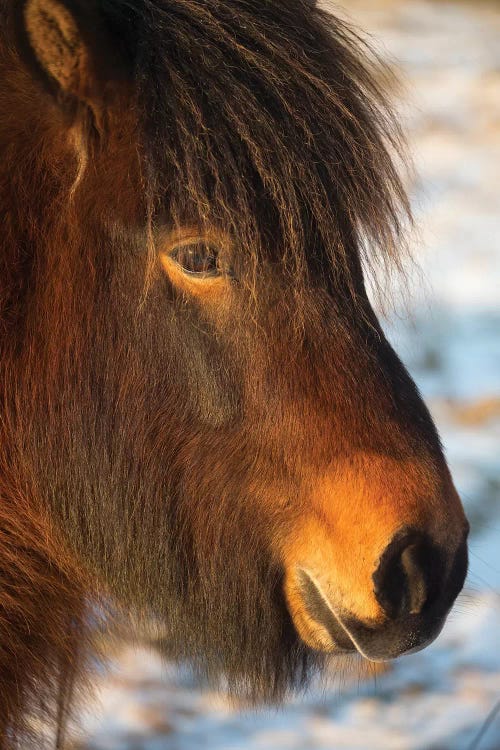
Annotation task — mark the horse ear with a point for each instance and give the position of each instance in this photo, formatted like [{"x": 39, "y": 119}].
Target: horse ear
[
  {"x": 55, "y": 40},
  {"x": 68, "y": 42}
]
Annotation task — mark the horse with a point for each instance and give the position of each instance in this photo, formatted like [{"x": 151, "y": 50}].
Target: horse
[{"x": 201, "y": 420}]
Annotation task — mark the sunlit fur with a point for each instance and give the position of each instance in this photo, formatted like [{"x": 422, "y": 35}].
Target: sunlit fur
[{"x": 154, "y": 448}]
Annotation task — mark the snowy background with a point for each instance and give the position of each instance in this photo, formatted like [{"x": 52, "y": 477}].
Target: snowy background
[{"x": 447, "y": 330}]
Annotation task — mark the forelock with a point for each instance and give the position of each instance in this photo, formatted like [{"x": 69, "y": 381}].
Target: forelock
[{"x": 266, "y": 117}]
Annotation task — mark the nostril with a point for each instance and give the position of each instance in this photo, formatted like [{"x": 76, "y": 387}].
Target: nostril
[
  {"x": 409, "y": 575},
  {"x": 415, "y": 580}
]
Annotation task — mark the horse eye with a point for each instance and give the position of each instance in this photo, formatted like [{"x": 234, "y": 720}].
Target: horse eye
[{"x": 200, "y": 259}]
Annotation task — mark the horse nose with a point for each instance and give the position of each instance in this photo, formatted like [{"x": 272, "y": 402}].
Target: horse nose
[
  {"x": 410, "y": 575},
  {"x": 415, "y": 584}
]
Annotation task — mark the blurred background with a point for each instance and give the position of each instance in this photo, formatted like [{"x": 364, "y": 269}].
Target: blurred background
[{"x": 446, "y": 328}]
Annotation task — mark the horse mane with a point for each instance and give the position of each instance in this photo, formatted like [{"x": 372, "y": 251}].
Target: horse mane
[{"x": 258, "y": 114}]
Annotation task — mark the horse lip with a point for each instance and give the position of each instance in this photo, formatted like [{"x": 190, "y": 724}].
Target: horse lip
[
  {"x": 321, "y": 612},
  {"x": 405, "y": 637},
  {"x": 347, "y": 634}
]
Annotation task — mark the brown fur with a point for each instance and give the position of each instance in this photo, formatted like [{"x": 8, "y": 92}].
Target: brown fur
[{"x": 167, "y": 446}]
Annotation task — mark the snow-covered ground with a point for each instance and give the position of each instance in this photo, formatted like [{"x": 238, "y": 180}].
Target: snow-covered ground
[{"x": 448, "y": 332}]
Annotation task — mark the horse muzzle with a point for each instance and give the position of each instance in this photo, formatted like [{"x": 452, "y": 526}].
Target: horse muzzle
[{"x": 414, "y": 586}]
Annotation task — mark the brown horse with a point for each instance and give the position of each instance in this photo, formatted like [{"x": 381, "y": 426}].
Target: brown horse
[{"x": 200, "y": 417}]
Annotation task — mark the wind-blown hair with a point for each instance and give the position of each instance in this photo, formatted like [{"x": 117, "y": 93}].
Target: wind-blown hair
[{"x": 266, "y": 113}]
